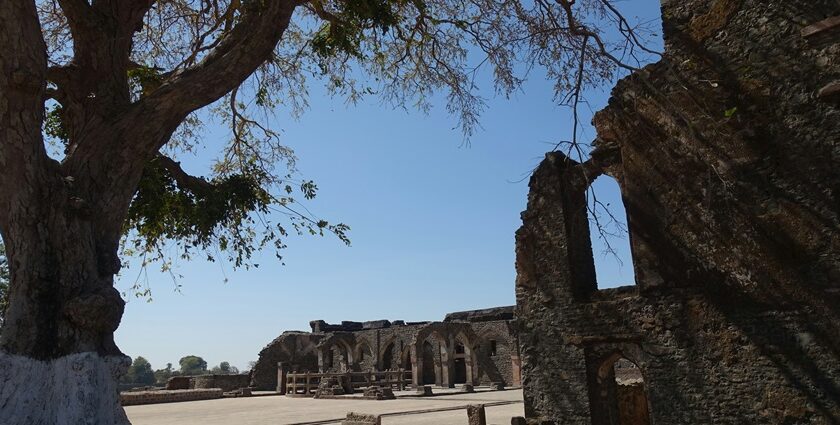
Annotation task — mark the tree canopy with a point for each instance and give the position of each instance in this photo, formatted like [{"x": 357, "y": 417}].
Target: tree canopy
[
  {"x": 192, "y": 365},
  {"x": 224, "y": 368},
  {"x": 140, "y": 372},
  {"x": 226, "y": 61}
]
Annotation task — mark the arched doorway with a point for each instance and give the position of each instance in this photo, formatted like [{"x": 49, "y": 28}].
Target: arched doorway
[
  {"x": 429, "y": 361},
  {"x": 460, "y": 365},
  {"x": 388, "y": 357},
  {"x": 619, "y": 393},
  {"x": 405, "y": 360}
]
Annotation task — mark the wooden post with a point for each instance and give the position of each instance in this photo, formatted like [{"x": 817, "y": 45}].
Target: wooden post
[{"x": 306, "y": 384}]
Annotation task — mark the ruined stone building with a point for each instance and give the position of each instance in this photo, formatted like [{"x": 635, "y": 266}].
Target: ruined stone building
[
  {"x": 476, "y": 347},
  {"x": 727, "y": 153}
]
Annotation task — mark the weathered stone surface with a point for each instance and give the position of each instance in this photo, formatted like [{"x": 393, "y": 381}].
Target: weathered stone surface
[
  {"x": 497, "y": 386},
  {"x": 361, "y": 419},
  {"x": 476, "y": 415},
  {"x": 483, "y": 315},
  {"x": 474, "y": 347},
  {"x": 732, "y": 196},
  {"x": 168, "y": 396},
  {"x": 517, "y": 420},
  {"x": 224, "y": 382},
  {"x": 376, "y": 392},
  {"x": 329, "y": 387},
  {"x": 84, "y": 384},
  {"x": 179, "y": 383},
  {"x": 467, "y": 388},
  {"x": 296, "y": 350},
  {"x": 425, "y": 390}
]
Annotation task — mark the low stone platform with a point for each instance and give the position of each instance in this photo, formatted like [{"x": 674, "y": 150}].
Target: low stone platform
[
  {"x": 444, "y": 409},
  {"x": 132, "y": 398}
]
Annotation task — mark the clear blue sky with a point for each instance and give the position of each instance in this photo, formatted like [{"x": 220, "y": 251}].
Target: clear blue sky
[{"x": 432, "y": 221}]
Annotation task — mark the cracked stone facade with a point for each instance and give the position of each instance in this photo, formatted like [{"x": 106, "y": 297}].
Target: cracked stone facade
[
  {"x": 727, "y": 153},
  {"x": 470, "y": 347}
]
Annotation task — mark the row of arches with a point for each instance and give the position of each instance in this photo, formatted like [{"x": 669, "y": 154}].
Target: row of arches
[{"x": 443, "y": 354}]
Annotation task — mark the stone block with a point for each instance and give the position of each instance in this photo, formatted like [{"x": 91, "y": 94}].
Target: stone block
[
  {"x": 361, "y": 419},
  {"x": 475, "y": 414},
  {"x": 379, "y": 393},
  {"x": 517, "y": 420},
  {"x": 425, "y": 390},
  {"x": 468, "y": 388},
  {"x": 497, "y": 386},
  {"x": 179, "y": 383}
]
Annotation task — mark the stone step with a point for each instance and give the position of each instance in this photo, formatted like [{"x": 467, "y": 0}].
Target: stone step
[
  {"x": 823, "y": 32},
  {"x": 830, "y": 92}
]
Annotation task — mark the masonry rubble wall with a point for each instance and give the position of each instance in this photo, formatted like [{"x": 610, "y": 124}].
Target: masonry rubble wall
[
  {"x": 727, "y": 158},
  {"x": 387, "y": 345}
]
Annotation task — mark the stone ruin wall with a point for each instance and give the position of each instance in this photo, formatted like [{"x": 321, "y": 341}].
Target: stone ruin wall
[
  {"x": 729, "y": 165},
  {"x": 299, "y": 350}
]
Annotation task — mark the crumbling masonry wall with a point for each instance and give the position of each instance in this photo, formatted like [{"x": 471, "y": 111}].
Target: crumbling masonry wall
[
  {"x": 385, "y": 345},
  {"x": 727, "y": 153}
]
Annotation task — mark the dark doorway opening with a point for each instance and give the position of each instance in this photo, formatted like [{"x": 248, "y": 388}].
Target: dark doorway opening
[
  {"x": 429, "y": 359},
  {"x": 618, "y": 394}
]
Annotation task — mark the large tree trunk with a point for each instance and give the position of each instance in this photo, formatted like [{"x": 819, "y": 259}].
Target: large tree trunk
[
  {"x": 62, "y": 221},
  {"x": 58, "y": 360},
  {"x": 59, "y": 363}
]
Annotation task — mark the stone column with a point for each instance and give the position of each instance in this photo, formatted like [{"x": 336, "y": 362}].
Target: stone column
[{"x": 281, "y": 378}]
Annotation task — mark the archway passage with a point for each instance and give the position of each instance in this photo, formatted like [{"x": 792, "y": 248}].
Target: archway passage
[
  {"x": 388, "y": 357},
  {"x": 406, "y": 358},
  {"x": 460, "y": 364},
  {"x": 619, "y": 394},
  {"x": 429, "y": 360}
]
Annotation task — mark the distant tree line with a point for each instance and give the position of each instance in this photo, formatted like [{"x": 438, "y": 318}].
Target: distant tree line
[{"x": 140, "y": 371}]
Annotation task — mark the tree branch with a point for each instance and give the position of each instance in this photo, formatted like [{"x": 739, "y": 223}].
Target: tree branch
[
  {"x": 247, "y": 46},
  {"x": 184, "y": 180},
  {"x": 77, "y": 13},
  {"x": 23, "y": 69}
]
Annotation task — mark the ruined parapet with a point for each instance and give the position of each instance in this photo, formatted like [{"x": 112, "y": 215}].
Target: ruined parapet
[
  {"x": 329, "y": 387},
  {"x": 483, "y": 315},
  {"x": 180, "y": 383},
  {"x": 727, "y": 158},
  {"x": 375, "y": 392},
  {"x": 224, "y": 382},
  {"x": 295, "y": 350}
]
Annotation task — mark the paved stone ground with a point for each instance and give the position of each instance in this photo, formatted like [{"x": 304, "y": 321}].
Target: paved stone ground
[{"x": 284, "y": 410}]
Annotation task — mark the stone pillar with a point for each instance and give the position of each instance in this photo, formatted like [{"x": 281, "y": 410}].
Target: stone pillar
[
  {"x": 475, "y": 414},
  {"x": 416, "y": 367},
  {"x": 281, "y": 378},
  {"x": 515, "y": 370},
  {"x": 447, "y": 365}
]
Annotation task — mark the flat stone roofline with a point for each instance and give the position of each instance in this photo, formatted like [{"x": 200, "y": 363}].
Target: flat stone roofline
[{"x": 483, "y": 315}]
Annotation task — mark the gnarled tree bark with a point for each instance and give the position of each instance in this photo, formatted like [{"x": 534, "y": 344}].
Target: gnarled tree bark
[{"x": 62, "y": 221}]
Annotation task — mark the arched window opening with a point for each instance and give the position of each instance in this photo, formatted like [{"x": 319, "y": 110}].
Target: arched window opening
[{"x": 609, "y": 234}]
